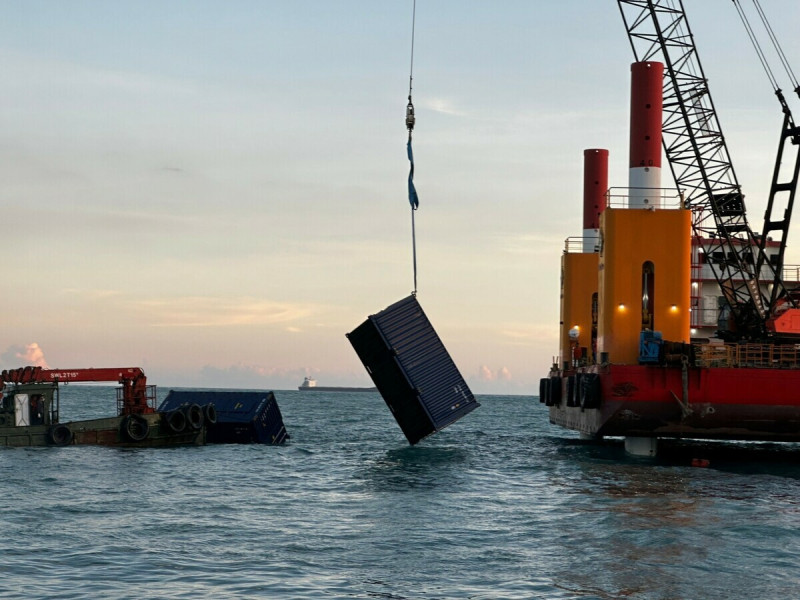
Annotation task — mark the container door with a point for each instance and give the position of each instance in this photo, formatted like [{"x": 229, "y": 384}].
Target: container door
[{"x": 22, "y": 413}]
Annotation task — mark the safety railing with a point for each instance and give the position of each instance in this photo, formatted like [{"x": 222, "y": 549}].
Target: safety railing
[
  {"x": 704, "y": 317},
  {"x": 715, "y": 355},
  {"x": 759, "y": 356},
  {"x": 619, "y": 197},
  {"x": 791, "y": 273},
  {"x": 150, "y": 396},
  {"x": 575, "y": 244}
]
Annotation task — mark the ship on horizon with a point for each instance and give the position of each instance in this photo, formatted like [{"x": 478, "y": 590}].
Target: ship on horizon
[{"x": 310, "y": 385}]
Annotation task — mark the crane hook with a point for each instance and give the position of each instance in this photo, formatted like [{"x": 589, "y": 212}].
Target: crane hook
[{"x": 410, "y": 119}]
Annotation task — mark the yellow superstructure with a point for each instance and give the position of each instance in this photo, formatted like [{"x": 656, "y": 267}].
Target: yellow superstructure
[
  {"x": 644, "y": 279},
  {"x": 578, "y": 286}
]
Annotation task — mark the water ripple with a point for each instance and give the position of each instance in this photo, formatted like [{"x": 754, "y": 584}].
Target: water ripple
[{"x": 500, "y": 505}]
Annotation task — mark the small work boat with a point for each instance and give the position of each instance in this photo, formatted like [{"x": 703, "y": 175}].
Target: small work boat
[{"x": 29, "y": 412}]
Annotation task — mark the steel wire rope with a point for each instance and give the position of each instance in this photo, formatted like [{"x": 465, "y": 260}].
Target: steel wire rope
[
  {"x": 410, "y": 121},
  {"x": 753, "y": 40},
  {"x": 411, "y": 68},
  {"x": 778, "y": 49}
]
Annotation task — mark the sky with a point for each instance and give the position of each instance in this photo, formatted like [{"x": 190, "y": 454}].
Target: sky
[{"x": 216, "y": 191}]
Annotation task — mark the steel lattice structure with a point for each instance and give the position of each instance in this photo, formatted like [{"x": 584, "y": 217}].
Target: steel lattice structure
[{"x": 698, "y": 157}]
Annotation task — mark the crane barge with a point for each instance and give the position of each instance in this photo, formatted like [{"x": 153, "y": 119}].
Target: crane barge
[
  {"x": 628, "y": 363},
  {"x": 30, "y": 404}
]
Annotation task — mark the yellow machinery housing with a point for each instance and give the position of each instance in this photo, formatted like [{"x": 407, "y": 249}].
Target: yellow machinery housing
[
  {"x": 578, "y": 287},
  {"x": 644, "y": 279}
]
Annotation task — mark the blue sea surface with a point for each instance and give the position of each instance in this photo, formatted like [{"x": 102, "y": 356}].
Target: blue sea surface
[{"x": 499, "y": 505}]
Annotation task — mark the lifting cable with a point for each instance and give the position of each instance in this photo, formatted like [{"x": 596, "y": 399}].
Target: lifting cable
[
  {"x": 773, "y": 82},
  {"x": 787, "y": 67},
  {"x": 413, "y": 199}
]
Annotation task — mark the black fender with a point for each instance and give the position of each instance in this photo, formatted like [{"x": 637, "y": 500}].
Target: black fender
[
  {"x": 175, "y": 420},
  {"x": 135, "y": 428},
  {"x": 60, "y": 435},
  {"x": 194, "y": 416},
  {"x": 210, "y": 413}
]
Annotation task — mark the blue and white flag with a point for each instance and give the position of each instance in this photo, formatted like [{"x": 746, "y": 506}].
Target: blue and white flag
[{"x": 413, "y": 199}]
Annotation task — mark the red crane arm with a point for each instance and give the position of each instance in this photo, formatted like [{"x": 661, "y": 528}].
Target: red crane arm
[
  {"x": 133, "y": 380},
  {"x": 40, "y": 375}
]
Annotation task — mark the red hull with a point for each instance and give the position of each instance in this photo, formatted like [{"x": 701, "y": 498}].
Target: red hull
[{"x": 721, "y": 403}]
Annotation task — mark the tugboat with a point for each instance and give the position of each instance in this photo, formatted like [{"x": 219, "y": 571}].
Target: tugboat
[
  {"x": 29, "y": 412},
  {"x": 633, "y": 361}
]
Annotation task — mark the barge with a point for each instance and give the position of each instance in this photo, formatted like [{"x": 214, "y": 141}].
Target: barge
[{"x": 632, "y": 361}]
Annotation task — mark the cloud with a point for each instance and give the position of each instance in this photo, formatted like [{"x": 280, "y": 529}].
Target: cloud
[
  {"x": 531, "y": 244},
  {"x": 29, "y": 71},
  {"x": 531, "y": 335},
  {"x": 252, "y": 376},
  {"x": 247, "y": 371},
  {"x": 22, "y": 356},
  {"x": 95, "y": 294},
  {"x": 487, "y": 374},
  {"x": 219, "y": 312},
  {"x": 443, "y": 106},
  {"x": 199, "y": 311}
]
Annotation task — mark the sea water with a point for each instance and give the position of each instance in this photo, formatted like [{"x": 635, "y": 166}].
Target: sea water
[{"x": 499, "y": 505}]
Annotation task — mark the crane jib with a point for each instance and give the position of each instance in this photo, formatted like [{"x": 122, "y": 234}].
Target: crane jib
[{"x": 699, "y": 161}]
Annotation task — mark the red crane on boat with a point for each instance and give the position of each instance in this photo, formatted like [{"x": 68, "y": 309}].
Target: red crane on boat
[{"x": 135, "y": 397}]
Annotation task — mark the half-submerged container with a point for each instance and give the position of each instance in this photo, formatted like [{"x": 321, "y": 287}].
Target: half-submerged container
[
  {"x": 241, "y": 417},
  {"x": 412, "y": 369}
]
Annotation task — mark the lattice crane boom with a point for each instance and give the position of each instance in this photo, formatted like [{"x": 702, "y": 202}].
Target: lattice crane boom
[{"x": 701, "y": 166}]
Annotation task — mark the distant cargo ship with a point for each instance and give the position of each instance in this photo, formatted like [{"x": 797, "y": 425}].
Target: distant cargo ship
[{"x": 310, "y": 385}]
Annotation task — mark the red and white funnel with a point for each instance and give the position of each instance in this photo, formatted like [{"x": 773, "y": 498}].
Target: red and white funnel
[
  {"x": 595, "y": 186},
  {"x": 647, "y": 101}
]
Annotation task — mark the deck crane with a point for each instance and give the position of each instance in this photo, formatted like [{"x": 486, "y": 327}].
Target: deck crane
[
  {"x": 658, "y": 30},
  {"x": 133, "y": 397}
]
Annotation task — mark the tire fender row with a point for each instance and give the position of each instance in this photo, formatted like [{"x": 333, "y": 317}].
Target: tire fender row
[{"x": 578, "y": 390}]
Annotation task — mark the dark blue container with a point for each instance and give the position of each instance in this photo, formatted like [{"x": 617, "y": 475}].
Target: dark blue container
[
  {"x": 412, "y": 369},
  {"x": 242, "y": 417}
]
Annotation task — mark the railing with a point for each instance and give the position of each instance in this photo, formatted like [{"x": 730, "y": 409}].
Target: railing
[
  {"x": 704, "y": 317},
  {"x": 760, "y": 356},
  {"x": 574, "y": 244},
  {"x": 150, "y": 396},
  {"x": 617, "y": 197},
  {"x": 715, "y": 355},
  {"x": 791, "y": 273},
  {"x": 705, "y": 273}
]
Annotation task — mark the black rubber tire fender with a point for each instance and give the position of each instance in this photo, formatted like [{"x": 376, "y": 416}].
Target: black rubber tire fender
[
  {"x": 135, "y": 428},
  {"x": 194, "y": 416},
  {"x": 60, "y": 435},
  {"x": 210, "y": 413},
  {"x": 175, "y": 420}
]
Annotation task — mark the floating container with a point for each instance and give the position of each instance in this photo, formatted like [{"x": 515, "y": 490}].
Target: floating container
[
  {"x": 241, "y": 417},
  {"x": 412, "y": 370}
]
